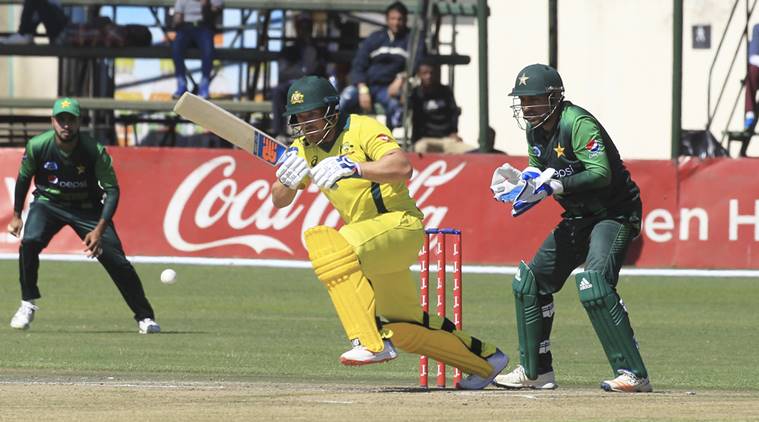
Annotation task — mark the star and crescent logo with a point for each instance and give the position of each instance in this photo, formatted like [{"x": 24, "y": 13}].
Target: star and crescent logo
[
  {"x": 523, "y": 79},
  {"x": 559, "y": 151},
  {"x": 296, "y": 98}
]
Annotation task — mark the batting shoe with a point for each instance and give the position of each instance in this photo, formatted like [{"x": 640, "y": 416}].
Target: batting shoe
[
  {"x": 518, "y": 379},
  {"x": 627, "y": 382},
  {"x": 360, "y": 355},
  {"x": 497, "y": 361},
  {"x": 148, "y": 326},
  {"x": 24, "y": 316}
]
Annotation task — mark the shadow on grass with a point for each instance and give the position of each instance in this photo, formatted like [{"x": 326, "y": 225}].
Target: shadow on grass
[
  {"x": 74, "y": 331},
  {"x": 412, "y": 390}
]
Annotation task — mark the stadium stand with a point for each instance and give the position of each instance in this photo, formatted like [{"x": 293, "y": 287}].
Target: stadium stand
[{"x": 15, "y": 126}]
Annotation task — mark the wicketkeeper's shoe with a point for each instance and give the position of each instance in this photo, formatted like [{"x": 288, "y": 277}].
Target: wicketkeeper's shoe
[
  {"x": 627, "y": 382},
  {"x": 24, "y": 316},
  {"x": 497, "y": 361},
  {"x": 518, "y": 379},
  {"x": 148, "y": 326},
  {"x": 359, "y": 355}
]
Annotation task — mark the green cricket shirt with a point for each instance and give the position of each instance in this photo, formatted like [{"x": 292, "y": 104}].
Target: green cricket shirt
[
  {"x": 83, "y": 179},
  {"x": 588, "y": 164}
]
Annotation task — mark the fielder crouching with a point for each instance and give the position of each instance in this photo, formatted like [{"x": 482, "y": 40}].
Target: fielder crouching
[
  {"x": 76, "y": 186},
  {"x": 360, "y": 168}
]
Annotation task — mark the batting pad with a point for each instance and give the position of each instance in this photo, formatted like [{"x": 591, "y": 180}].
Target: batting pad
[
  {"x": 610, "y": 321},
  {"x": 337, "y": 266},
  {"x": 529, "y": 319},
  {"x": 439, "y": 345}
]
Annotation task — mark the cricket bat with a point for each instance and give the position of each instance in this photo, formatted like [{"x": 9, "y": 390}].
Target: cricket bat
[{"x": 229, "y": 127}]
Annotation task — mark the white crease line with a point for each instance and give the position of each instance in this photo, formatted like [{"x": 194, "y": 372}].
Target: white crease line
[
  {"x": 467, "y": 269},
  {"x": 112, "y": 384},
  {"x": 333, "y": 402}
]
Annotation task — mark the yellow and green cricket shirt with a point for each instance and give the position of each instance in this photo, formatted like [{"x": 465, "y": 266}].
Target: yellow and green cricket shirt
[{"x": 362, "y": 139}]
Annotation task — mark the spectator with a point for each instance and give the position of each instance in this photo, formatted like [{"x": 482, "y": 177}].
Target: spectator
[
  {"x": 435, "y": 117},
  {"x": 378, "y": 72},
  {"x": 194, "y": 22},
  {"x": 490, "y": 146},
  {"x": 752, "y": 79},
  {"x": 35, "y": 11},
  {"x": 297, "y": 60}
]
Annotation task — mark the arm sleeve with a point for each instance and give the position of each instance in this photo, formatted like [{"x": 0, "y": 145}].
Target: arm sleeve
[
  {"x": 588, "y": 146},
  {"x": 377, "y": 140},
  {"x": 361, "y": 62},
  {"x": 532, "y": 159},
  {"x": 107, "y": 178},
  {"x": 455, "y": 110},
  {"x": 24, "y": 179},
  {"x": 417, "y": 115}
]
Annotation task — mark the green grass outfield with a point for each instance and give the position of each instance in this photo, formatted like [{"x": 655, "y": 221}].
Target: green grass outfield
[{"x": 246, "y": 323}]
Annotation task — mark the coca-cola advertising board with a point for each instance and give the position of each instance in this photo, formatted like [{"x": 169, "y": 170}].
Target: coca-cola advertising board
[{"x": 216, "y": 203}]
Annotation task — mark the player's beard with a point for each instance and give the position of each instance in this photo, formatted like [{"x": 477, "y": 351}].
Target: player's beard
[
  {"x": 67, "y": 136},
  {"x": 536, "y": 115},
  {"x": 536, "y": 119}
]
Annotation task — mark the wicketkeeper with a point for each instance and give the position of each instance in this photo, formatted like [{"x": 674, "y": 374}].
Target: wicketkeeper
[
  {"x": 572, "y": 158},
  {"x": 75, "y": 185},
  {"x": 357, "y": 164}
]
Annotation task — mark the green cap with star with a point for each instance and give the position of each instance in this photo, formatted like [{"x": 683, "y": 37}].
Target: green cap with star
[
  {"x": 66, "y": 105},
  {"x": 537, "y": 79}
]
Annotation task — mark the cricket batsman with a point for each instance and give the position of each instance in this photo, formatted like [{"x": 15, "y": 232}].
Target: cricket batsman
[
  {"x": 572, "y": 158},
  {"x": 357, "y": 164},
  {"x": 75, "y": 186}
]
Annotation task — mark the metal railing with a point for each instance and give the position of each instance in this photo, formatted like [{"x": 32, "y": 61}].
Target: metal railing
[{"x": 712, "y": 111}]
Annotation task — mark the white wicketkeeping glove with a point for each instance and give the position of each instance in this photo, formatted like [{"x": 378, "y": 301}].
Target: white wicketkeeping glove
[
  {"x": 293, "y": 169},
  {"x": 330, "y": 170},
  {"x": 538, "y": 186},
  {"x": 505, "y": 183}
]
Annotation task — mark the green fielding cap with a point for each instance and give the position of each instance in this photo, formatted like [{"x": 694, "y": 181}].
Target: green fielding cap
[{"x": 66, "y": 105}]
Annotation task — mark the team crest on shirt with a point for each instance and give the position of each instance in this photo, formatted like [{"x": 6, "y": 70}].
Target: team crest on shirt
[
  {"x": 594, "y": 147},
  {"x": 50, "y": 166},
  {"x": 346, "y": 149},
  {"x": 536, "y": 151},
  {"x": 53, "y": 180},
  {"x": 80, "y": 169}
]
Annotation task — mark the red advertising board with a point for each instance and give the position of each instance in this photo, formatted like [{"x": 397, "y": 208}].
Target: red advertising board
[{"x": 216, "y": 203}]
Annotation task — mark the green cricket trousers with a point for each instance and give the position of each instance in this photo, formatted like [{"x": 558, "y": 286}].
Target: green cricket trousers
[
  {"x": 45, "y": 219},
  {"x": 600, "y": 242}
]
